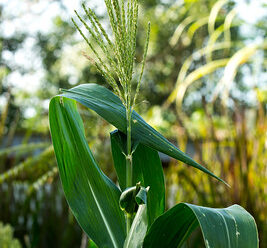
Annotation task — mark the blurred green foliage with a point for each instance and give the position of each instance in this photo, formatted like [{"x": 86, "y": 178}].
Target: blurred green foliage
[
  {"x": 6, "y": 237},
  {"x": 217, "y": 115}
]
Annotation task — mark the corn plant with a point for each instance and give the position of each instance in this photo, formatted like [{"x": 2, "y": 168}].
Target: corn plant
[{"x": 130, "y": 214}]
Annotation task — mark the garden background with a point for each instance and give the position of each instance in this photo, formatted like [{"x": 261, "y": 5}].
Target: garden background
[{"x": 204, "y": 87}]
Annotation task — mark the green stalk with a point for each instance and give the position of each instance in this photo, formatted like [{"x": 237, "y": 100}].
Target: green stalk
[
  {"x": 120, "y": 56},
  {"x": 129, "y": 151},
  {"x": 129, "y": 169}
]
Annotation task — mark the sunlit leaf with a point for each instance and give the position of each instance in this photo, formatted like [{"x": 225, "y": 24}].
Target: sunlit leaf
[
  {"x": 240, "y": 57},
  {"x": 214, "y": 13},
  {"x": 92, "y": 197},
  {"x": 110, "y": 107},
  {"x": 200, "y": 72},
  {"x": 231, "y": 227}
]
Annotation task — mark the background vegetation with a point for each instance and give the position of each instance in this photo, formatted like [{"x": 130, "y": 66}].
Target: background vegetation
[{"x": 205, "y": 88}]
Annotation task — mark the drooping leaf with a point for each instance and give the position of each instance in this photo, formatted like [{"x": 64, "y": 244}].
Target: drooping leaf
[
  {"x": 110, "y": 107},
  {"x": 147, "y": 169},
  {"x": 92, "y": 197},
  {"x": 240, "y": 57},
  {"x": 194, "y": 76},
  {"x": 231, "y": 227},
  {"x": 184, "y": 77}
]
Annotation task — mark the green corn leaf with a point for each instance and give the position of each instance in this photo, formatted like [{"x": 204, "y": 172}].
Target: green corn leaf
[
  {"x": 141, "y": 197},
  {"x": 127, "y": 200},
  {"x": 110, "y": 107},
  {"x": 92, "y": 197},
  {"x": 231, "y": 227},
  {"x": 119, "y": 151},
  {"x": 138, "y": 230},
  {"x": 147, "y": 169},
  {"x": 91, "y": 244},
  {"x": 146, "y": 162}
]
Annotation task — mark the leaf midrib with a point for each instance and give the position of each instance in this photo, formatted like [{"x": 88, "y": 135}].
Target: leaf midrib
[{"x": 107, "y": 225}]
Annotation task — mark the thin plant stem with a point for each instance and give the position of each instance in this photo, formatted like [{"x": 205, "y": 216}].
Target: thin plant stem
[
  {"x": 129, "y": 181},
  {"x": 129, "y": 165},
  {"x": 118, "y": 67}
]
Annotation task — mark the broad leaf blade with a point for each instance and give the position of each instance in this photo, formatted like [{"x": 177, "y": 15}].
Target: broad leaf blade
[
  {"x": 171, "y": 229},
  {"x": 92, "y": 197},
  {"x": 110, "y": 107},
  {"x": 147, "y": 169},
  {"x": 231, "y": 227},
  {"x": 235, "y": 227}
]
